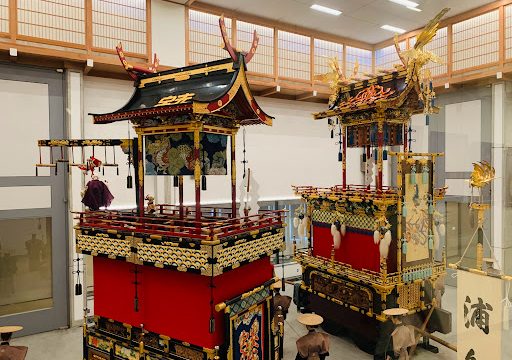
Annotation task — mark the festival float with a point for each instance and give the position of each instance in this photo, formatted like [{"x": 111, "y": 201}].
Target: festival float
[
  {"x": 373, "y": 246},
  {"x": 177, "y": 281}
]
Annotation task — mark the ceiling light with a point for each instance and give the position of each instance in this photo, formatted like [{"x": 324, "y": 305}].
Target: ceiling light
[
  {"x": 325, "y": 9},
  {"x": 414, "y": 8},
  {"x": 393, "y": 29},
  {"x": 405, "y": 3}
]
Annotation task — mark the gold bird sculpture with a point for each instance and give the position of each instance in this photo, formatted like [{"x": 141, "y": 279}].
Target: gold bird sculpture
[{"x": 483, "y": 173}]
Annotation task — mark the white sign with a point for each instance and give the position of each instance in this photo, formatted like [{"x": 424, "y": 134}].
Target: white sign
[{"x": 479, "y": 316}]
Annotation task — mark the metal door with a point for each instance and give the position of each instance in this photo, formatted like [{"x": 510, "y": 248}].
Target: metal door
[{"x": 33, "y": 221}]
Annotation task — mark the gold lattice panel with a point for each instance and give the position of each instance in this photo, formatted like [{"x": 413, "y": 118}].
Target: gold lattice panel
[
  {"x": 181, "y": 258},
  {"x": 103, "y": 244},
  {"x": 358, "y": 221},
  {"x": 409, "y": 296},
  {"x": 250, "y": 250}
]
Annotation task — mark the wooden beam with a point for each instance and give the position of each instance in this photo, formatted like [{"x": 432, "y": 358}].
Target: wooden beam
[
  {"x": 306, "y": 96},
  {"x": 273, "y": 90},
  {"x": 13, "y": 19},
  {"x": 88, "y": 25},
  {"x": 149, "y": 34},
  {"x": 190, "y": 2}
]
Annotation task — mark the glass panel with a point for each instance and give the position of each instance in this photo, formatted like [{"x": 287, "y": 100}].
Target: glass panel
[{"x": 25, "y": 265}]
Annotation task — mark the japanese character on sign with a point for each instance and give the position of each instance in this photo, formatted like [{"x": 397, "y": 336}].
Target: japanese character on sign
[
  {"x": 477, "y": 314},
  {"x": 175, "y": 99},
  {"x": 470, "y": 355}
]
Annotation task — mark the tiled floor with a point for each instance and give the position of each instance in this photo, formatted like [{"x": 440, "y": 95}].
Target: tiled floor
[{"x": 67, "y": 344}]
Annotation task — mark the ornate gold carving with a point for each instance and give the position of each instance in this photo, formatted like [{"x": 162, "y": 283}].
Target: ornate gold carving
[
  {"x": 250, "y": 250},
  {"x": 101, "y": 245},
  {"x": 409, "y": 296},
  {"x": 173, "y": 256},
  {"x": 344, "y": 291},
  {"x": 188, "y": 353}
]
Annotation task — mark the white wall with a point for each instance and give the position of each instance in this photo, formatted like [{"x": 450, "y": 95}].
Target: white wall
[{"x": 168, "y": 32}]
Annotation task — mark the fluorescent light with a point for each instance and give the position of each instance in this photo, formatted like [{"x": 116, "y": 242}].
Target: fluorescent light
[
  {"x": 405, "y": 3},
  {"x": 326, "y": 10},
  {"x": 393, "y": 29},
  {"x": 414, "y": 8}
]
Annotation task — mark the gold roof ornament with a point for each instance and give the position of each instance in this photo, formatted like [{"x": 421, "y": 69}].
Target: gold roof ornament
[{"x": 483, "y": 173}]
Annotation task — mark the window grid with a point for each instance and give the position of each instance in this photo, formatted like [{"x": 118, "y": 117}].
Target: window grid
[
  {"x": 508, "y": 31},
  {"x": 58, "y": 20},
  {"x": 387, "y": 58},
  {"x": 476, "y": 41},
  {"x": 4, "y": 16},
  {"x": 114, "y": 21},
  {"x": 364, "y": 58},
  {"x": 324, "y": 51},
  {"x": 205, "y": 39},
  {"x": 294, "y": 52},
  {"x": 439, "y": 46},
  {"x": 263, "y": 61}
]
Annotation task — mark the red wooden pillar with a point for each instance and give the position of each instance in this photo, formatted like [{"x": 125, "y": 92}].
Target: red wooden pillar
[
  {"x": 197, "y": 173},
  {"x": 233, "y": 175}
]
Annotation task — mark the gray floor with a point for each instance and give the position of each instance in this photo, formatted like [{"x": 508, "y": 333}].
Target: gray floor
[{"x": 67, "y": 344}]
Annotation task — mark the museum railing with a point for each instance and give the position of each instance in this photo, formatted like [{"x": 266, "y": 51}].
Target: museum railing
[{"x": 169, "y": 221}]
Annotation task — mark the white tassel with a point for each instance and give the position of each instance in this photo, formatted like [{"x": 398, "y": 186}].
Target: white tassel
[
  {"x": 376, "y": 237},
  {"x": 307, "y": 225},
  {"x": 296, "y": 222},
  {"x": 436, "y": 238},
  {"x": 343, "y": 230},
  {"x": 442, "y": 230},
  {"x": 384, "y": 245},
  {"x": 301, "y": 228},
  {"x": 336, "y": 237}
]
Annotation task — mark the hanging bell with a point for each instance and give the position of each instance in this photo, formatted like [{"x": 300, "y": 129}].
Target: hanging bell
[
  {"x": 340, "y": 156},
  {"x": 175, "y": 181},
  {"x": 430, "y": 207},
  {"x": 427, "y": 120},
  {"x": 203, "y": 182},
  {"x": 364, "y": 157},
  {"x": 129, "y": 182},
  {"x": 430, "y": 241},
  {"x": 385, "y": 155},
  {"x": 375, "y": 155},
  {"x": 78, "y": 289},
  {"x": 404, "y": 210},
  {"x": 332, "y": 133}
]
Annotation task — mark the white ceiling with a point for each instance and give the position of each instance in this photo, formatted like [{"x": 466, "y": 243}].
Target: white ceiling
[{"x": 361, "y": 19}]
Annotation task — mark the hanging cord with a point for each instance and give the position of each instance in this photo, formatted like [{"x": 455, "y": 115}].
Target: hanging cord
[
  {"x": 467, "y": 247},
  {"x": 105, "y": 161},
  {"x": 78, "y": 285},
  {"x": 244, "y": 161},
  {"x": 212, "y": 306},
  {"x": 129, "y": 178}
]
